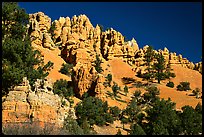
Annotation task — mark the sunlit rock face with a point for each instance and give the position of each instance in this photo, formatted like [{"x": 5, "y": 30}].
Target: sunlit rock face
[
  {"x": 22, "y": 105},
  {"x": 80, "y": 42}
]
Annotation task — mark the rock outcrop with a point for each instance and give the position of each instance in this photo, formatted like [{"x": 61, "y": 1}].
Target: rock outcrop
[
  {"x": 198, "y": 67},
  {"x": 39, "y": 27},
  {"x": 80, "y": 42},
  {"x": 22, "y": 105},
  {"x": 170, "y": 57}
]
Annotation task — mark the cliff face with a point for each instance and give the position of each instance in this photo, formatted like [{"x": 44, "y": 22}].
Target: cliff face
[
  {"x": 22, "y": 105},
  {"x": 78, "y": 33},
  {"x": 80, "y": 42}
]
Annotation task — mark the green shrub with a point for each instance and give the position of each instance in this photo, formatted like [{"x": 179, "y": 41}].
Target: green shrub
[
  {"x": 115, "y": 112},
  {"x": 183, "y": 86},
  {"x": 152, "y": 94},
  {"x": 138, "y": 84},
  {"x": 115, "y": 89},
  {"x": 66, "y": 69},
  {"x": 126, "y": 89},
  {"x": 108, "y": 80},
  {"x": 62, "y": 88},
  {"x": 173, "y": 75},
  {"x": 128, "y": 80},
  {"x": 170, "y": 84},
  {"x": 71, "y": 127},
  {"x": 137, "y": 130},
  {"x": 137, "y": 93},
  {"x": 94, "y": 110}
]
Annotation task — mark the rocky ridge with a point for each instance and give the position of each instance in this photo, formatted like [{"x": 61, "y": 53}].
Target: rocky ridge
[
  {"x": 78, "y": 33},
  {"x": 80, "y": 42},
  {"x": 22, "y": 105}
]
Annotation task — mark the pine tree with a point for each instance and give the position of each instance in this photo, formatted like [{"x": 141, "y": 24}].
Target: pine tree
[
  {"x": 18, "y": 57},
  {"x": 159, "y": 67},
  {"x": 148, "y": 58}
]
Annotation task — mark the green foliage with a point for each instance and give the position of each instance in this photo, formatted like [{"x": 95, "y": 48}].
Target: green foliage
[
  {"x": 158, "y": 128},
  {"x": 136, "y": 130},
  {"x": 147, "y": 76},
  {"x": 137, "y": 94},
  {"x": 71, "y": 126},
  {"x": 62, "y": 88},
  {"x": 63, "y": 102},
  {"x": 170, "y": 84},
  {"x": 18, "y": 57},
  {"x": 66, "y": 69},
  {"x": 168, "y": 73},
  {"x": 128, "y": 80},
  {"x": 115, "y": 89},
  {"x": 132, "y": 111},
  {"x": 98, "y": 64},
  {"x": 163, "y": 119},
  {"x": 148, "y": 58},
  {"x": 94, "y": 110},
  {"x": 198, "y": 108},
  {"x": 115, "y": 112},
  {"x": 109, "y": 77},
  {"x": 156, "y": 68},
  {"x": 191, "y": 121},
  {"x": 152, "y": 94},
  {"x": 87, "y": 130},
  {"x": 138, "y": 84},
  {"x": 108, "y": 80},
  {"x": 183, "y": 86},
  {"x": 126, "y": 89},
  {"x": 159, "y": 67},
  {"x": 149, "y": 55},
  {"x": 14, "y": 21}
]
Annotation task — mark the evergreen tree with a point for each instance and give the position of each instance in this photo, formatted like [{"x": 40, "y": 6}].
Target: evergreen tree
[
  {"x": 115, "y": 89},
  {"x": 62, "y": 88},
  {"x": 94, "y": 110},
  {"x": 163, "y": 118},
  {"x": 18, "y": 57},
  {"x": 14, "y": 21},
  {"x": 191, "y": 121},
  {"x": 66, "y": 69},
  {"x": 136, "y": 130},
  {"x": 159, "y": 67},
  {"x": 148, "y": 58}
]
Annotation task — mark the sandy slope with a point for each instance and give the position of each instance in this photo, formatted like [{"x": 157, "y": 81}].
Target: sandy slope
[
  {"x": 120, "y": 69},
  {"x": 54, "y": 56},
  {"x": 182, "y": 98}
]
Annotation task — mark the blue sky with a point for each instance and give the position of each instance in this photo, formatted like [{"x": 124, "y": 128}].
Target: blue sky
[{"x": 175, "y": 25}]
